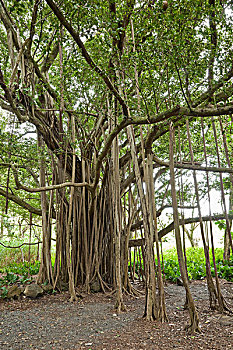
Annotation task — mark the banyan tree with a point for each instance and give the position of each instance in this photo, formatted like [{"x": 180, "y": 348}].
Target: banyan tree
[{"x": 127, "y": 100}]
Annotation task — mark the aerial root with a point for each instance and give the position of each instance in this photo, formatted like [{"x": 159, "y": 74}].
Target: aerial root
[
  {"x": 120, "y": 308},
  {"x": 73, "y": 298},
  {"x": 103, "y": 284},
  {"x": 130, "y": 290},
  {"x": 194, "y": 326},
  {"x": 150, "y": 317},
  {"x": 162, "y": 315}
]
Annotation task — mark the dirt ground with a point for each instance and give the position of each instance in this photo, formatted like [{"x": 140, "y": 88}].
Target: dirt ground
[{"x": 52, "y": 322}]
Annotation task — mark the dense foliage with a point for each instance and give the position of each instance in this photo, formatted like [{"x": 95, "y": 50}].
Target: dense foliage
[{"x": 196, "y": 265}]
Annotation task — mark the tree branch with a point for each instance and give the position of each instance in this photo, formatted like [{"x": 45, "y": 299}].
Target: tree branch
[
  {"x": 20, "y": 202},
  {"x": 193, "y": 166},
  {"x": 169, "y": 228},
  {"x": 19, "y": 246}
]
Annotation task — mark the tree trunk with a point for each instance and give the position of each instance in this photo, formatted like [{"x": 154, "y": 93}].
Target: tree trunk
[
  {"x": 45, "y": 272},
  {"x": 194, "y": 320},
  {"x": 151, "y": 307}
]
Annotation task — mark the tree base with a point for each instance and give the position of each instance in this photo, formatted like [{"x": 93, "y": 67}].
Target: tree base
[
  {"x": 120, "y": 307},
  {"x": 194, "y": 326}
]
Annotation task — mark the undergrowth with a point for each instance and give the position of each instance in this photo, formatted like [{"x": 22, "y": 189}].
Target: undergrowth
[
  {"x": 195, "y": 264},
  {"x": 16, "y": 255},
  {"x": 23, "y": 268},
  {"x": 17, "y": 273},
  {"x": 14, "y": 272}
]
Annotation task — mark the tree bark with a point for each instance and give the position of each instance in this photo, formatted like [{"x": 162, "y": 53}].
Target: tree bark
[{"x": 194, "y": 319}]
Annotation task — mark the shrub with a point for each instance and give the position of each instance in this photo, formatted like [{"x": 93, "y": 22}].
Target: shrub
[
  {"x": 22, "y": 269},
  {"x": 19, "y": 273},
  {"x": 196, "y": 264}
]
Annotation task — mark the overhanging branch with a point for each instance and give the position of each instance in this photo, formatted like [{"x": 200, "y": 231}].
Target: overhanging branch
[
  {"x": 20, "y": 202},
  {"x": 169, "y": 228},
  {"x": 193, "y": 166}
]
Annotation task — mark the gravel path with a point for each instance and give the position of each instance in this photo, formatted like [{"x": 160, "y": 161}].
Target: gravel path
[
  {"x": 60, "y": 326},
  {"x": 51, "y": 322}
]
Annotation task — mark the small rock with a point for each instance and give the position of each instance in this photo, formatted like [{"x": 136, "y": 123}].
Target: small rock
[
  {"x": 33, "y": 290},
  {"x": 179, "y": 281},
  {"x": 47, "y": 288},
  {"x": 14, "y": 291},
  {"x": 226, "y": 320},
  {"x": 63, "y": 286},
  {"x": 95, "y": 286},
  {"x": 22, "y": 288}
]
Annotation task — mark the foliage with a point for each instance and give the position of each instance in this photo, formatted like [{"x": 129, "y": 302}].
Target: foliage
[
  {"x": 7, "y": 255},
  {"x": 23, "y": 269},
  {"x": 9, "y": 278},
  {"x": 196, "y": 265},
  {"x": 4, "y": 292},
  {"x": 222, "y": 223},
  {"x": 17, "y": 273}
]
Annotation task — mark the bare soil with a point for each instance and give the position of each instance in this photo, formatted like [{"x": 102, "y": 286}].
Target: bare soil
[{"x": 52, "y": 322}]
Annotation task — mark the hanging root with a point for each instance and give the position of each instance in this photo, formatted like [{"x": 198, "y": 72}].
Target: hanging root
[
  {"x": 162, "y": 317},
  {"x": 125, "y": 291},
  {"x": 218, "y": 302},
  {"x": 150, "y": 318},
  {"x": 193, "y": 328},
  {"x": 224, "y": 307},
  {"x": 73, "y": 298},
  {"x": 151, "y": 314},
  {"x": 162, "y": 314},
  {"x": 119, "y": 305},
  {"x": 111, "y": 293},
  {"x": 213, "y": 301},
  {"x": 103, "y": 284},
  {"x": 151, "y": 308}
]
